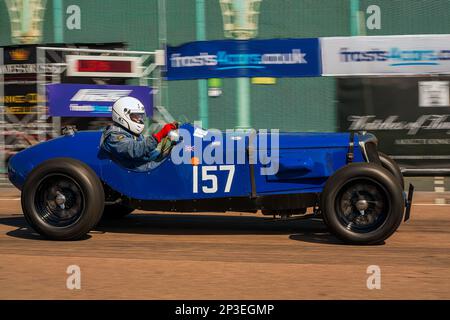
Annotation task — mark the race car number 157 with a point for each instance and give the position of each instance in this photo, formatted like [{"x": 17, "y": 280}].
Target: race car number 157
[{"x": 208, "y": 181}]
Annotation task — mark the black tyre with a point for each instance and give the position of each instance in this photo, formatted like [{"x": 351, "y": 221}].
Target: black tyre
[
  {"x": 62, "y": 199},
  {"x": 392, "y": 166},
  {"x": 362, "y": 203},
  {"x": 116, "y": 211}
]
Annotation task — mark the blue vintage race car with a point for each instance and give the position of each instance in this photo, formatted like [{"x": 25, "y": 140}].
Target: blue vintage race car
[{"x": 68, "y": 183}]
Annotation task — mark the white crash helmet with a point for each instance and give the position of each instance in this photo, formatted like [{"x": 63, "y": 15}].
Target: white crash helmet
[{"x": 129, "y": 112}]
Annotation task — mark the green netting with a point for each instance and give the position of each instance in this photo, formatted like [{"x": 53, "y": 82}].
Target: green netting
[
  {"x": 290, "y": 104},
  {"x": 293, "y": 104}
]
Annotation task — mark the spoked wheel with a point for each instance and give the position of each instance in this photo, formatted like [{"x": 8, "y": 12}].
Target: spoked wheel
[
  {"x": 62, "y": 199},
  {"x": 59, "y": 200},
  {"x": 362, "y": 203}
]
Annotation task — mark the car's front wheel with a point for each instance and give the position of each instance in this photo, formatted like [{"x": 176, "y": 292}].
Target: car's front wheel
[
  {"x": 62, "y": 199},
  {"x": 362, "y": 204},
  {"x": 389, "y": 164}
]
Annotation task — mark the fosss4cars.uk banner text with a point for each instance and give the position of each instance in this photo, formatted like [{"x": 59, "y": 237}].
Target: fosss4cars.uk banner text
[
  {"x": 385, "y": 55},
  {"x": 244, "y": 58}
]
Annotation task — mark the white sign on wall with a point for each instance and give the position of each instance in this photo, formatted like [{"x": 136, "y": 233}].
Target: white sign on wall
[
  {"x": 384, "y": 55},
  {"x": 434, "y": 94}
]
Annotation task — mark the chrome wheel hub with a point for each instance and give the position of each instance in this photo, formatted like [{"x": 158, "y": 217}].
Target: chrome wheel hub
[
  {"x": 60, "y": 200},
  {"x": 362, "y": 205}
]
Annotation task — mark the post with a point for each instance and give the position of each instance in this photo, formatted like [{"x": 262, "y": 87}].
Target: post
[
  {"x": 162, "y": 88},
  {"x": 202, "y": 83},
  {"x": 354, "y": 18},
  {"x": 242, "y": 84},
  {"x": 2, "y": 124},
  {"x": 58, "y": 29},
  {"x": 41, "y": 114},
  {"x": 243, "y": 103}
]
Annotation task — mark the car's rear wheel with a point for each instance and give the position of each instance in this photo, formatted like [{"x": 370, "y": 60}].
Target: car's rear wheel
[
  {"x": 362, "y": 204},
  {"x": 62, "y": 199}
]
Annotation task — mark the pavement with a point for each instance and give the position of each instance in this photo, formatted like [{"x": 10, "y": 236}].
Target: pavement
[{"x": 160, "y": 255}]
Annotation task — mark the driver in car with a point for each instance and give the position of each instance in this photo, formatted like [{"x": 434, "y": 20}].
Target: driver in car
[{"x": 124, "y": 141}]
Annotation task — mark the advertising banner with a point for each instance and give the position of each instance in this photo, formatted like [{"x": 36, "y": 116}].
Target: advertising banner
[
  {"x": 83, "y": 100},
  {"x": 384, "y": 55},
  {"x": 19, "y": 65},
  {"x": 21, "y": 100},
  {"x": 409, "y": 116},
  {"x": 244, "y": 58},
  {"x": 21, "y": 127}
]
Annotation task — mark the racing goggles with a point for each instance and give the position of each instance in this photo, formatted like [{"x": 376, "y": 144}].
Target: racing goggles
[{"x": 137, "y": 117}]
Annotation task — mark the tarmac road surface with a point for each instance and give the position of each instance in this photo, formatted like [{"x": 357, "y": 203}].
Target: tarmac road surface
[{"x": 224, "y": 256}]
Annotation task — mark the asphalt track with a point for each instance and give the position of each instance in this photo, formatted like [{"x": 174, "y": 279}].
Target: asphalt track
[{"x": 225, "y": 256}]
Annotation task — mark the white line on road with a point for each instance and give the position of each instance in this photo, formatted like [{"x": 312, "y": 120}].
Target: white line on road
[{"x": 439, "y": 186}]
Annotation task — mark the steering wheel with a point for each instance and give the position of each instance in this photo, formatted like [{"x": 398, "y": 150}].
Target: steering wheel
[{"x": 165, "y": 147}]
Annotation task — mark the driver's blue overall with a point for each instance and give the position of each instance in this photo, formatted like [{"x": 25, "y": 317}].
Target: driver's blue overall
[{"x": 133, "y": 152}]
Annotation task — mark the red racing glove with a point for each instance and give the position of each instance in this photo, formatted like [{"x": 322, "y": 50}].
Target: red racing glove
[{"x": 165, "y": 131}]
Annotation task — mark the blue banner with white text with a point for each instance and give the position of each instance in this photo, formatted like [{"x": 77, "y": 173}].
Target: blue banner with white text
[
  {"x": 244, "y": 58},
  {"x": 91, "y": 100}
]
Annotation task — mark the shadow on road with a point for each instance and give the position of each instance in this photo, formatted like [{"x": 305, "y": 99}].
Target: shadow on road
[
  {"x": 24, "y": 231},
  {"x": 181, "y": 224},
  {"x": 312, "y": 230},
  {"x": 316, "y": 237}
]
